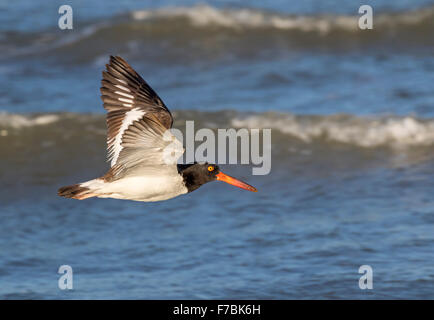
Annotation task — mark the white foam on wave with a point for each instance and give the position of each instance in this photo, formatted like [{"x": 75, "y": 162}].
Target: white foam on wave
[
  {"x": 18, "y": 121},
  {"x": 359, "y": 131},
  {"x": 204, "y": 15},
  {"x": 367, "y": 132}
]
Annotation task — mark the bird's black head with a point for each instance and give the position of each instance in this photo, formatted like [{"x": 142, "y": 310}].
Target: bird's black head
[{"x": 197, "y": 174}]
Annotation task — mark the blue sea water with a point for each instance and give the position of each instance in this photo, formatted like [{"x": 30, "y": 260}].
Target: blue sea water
[{"x": 351, "y": 184}]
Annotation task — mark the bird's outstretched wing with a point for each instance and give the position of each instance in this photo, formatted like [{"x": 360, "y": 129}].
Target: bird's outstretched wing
[{"x": 137, "y": 120}]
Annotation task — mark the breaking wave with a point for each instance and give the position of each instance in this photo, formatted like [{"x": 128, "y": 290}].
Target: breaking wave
[
  {"x": 17, "y": 121},
  {"x": 356, "y": 131},
  {"x": 203, "y": 16},
  {"x": 203, "y": 26},
  {"x": 363, "y": 132}
]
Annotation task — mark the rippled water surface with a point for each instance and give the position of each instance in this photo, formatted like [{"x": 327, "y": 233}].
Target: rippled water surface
[{"x": 351, "y": 184}]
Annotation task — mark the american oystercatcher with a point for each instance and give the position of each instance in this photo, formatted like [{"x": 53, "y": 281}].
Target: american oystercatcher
[{"x": 140, "y": 146}]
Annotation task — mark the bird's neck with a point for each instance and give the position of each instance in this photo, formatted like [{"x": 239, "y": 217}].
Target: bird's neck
[{"x": 189, "y": 174}]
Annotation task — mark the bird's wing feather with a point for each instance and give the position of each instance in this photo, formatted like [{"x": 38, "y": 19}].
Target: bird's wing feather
[
  {"x": 147, "y": 147},
  {"x": 129, "y": 101}
]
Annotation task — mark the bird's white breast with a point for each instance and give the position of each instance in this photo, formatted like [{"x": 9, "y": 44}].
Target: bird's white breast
[{"x": 145, "y": 188}]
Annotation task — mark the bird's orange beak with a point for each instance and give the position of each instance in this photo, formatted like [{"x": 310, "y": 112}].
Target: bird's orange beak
[{"x": 228, "y": 179}]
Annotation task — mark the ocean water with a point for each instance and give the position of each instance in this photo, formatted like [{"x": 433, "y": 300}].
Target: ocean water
[{"x": 351, "y": 182}]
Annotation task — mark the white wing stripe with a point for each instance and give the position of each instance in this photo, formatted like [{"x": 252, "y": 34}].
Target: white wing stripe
[
  {"x": 130, "y": 117},
  {"x": 125, "y": 100},
  {"x": 125, "y": 94},
  {"x": 122, "y": 87}
]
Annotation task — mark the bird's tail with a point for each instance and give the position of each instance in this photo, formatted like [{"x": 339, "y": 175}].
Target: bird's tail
[{"x": 81, "y": 191}]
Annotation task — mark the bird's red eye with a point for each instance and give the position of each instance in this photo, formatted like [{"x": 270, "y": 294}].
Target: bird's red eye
[{"x": 210, "y": 168}]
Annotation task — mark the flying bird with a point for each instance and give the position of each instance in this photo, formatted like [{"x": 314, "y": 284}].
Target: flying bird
[{"x": 142, "y": 151}]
